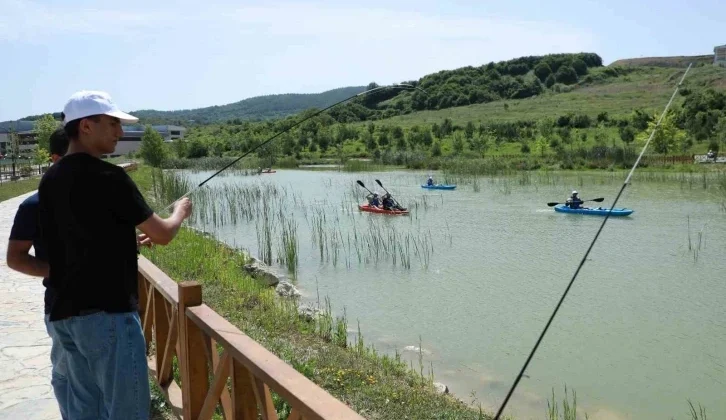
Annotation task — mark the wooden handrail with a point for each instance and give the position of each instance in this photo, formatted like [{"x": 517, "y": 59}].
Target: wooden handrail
[{"x": 182, "y": 328}]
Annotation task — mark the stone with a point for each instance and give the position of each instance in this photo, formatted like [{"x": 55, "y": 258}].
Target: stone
[
  {"x": 441, "y": 388},
  {"x": 287, "y": 289},
  {"x": 308, "y": 313},
  {"x": 264, "y": 272}
]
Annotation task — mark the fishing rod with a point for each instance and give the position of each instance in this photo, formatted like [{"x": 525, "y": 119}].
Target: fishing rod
[
  {"x": 399, "y": 85},
  {"x": 584, "y": 258}
]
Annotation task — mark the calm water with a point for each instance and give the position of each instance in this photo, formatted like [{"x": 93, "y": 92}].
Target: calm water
[{"x": 642, "y": 330}]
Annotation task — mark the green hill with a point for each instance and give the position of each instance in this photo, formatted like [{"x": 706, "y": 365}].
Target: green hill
[
  {"x": 595, "y": 120},
  {"x": 255, "y": 108}
]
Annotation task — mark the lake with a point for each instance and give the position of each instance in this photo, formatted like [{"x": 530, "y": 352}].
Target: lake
[{"x": 475, "y": 273}]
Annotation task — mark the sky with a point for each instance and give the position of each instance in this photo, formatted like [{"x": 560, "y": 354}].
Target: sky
[{"x": 186, "y": 54}]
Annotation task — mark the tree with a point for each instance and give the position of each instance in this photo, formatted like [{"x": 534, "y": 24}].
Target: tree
[
  {"x": 436, "y": 149},
  {"x": 469, "y": 130},
  {"x": 458, "y": 143},
  {"x": 542, "y": 71},
  {"x": 550, "y": 81},
  {"x": 667, "y": 138},
  {"x": 566, "y": 75},
  {"x": 627, "y": 134},
  {"x": 43, "y": 128},
  {"x": 152, "y": 147},
  {"x": 41, "y": 156},
  {"x": 579, "y": 66}
]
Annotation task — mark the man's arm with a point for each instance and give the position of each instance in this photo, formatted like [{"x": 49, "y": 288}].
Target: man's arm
[
  {"x": 20, "y": 260},
  {"x": 131, "y": 207},
  {"x": 162, "y": 231}
]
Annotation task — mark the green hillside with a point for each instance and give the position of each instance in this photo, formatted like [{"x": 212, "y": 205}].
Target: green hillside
[
  {"x": 256, "y": 108},
  {"x": 598, "y": 121}
]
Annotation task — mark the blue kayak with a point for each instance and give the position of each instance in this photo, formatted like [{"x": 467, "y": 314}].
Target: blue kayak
[
  {"x": 439, "y": 187},
  {"x": 598, "y": 211}
]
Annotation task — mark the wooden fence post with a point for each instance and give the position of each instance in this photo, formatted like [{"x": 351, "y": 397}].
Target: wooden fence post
[{"x": 192, "y": 360}]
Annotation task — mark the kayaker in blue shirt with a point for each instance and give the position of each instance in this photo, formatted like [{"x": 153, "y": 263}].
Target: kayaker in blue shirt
[
  {"x": 574, "y": 202},
  {"x": 374, "y": 200},
  {"x": 388, "y": 203},
  {"x": 430, "y": 181}
]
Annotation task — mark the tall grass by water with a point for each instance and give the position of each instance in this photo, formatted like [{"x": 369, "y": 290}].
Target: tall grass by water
[{"x": 273, "y": 209}]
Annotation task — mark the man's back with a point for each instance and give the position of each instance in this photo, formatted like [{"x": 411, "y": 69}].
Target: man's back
[{"x": 88, "y": 213}]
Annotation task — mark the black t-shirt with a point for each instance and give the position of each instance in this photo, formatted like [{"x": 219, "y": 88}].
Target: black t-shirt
[
  {"x": 25, "y": 228},
  {"x": 88, "y": 213}
]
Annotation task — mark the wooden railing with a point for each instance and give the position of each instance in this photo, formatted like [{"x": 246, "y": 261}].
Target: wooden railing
[{"x": 183, "y": 329}]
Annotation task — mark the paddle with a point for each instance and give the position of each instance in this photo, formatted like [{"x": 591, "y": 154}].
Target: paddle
[
  {"x": 363, "y": 185},
  {"x": 599, "y": 200},
  {"x": 378, "y": 181}
]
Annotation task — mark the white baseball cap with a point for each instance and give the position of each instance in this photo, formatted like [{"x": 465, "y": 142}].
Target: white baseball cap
[{"x": 92, "y": 102}]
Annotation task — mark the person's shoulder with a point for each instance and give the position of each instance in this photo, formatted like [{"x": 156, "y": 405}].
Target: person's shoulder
[{"x": 30, "y": 202}]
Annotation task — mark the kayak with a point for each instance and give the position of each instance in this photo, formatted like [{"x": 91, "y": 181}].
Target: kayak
[
  {"x": 598, "y": 211},
  {"x": 439, "y": 187},
  {"x": 268, "y": 172},
  {"x": 370, "y": 209}
]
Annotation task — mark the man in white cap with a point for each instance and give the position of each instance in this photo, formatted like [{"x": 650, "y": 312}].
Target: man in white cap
[{"x": 89, "y": 210}]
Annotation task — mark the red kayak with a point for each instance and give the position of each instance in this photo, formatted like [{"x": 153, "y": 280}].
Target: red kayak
[
  {"x": 373, "y": 209},
  {"x": 268, "y": 172}
]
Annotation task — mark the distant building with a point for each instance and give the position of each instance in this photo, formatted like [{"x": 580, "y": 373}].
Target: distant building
[
  {"x": 130, "y": 142},
  {"x": 24, "y": 131},
  {"x": 719, "y": 56}
]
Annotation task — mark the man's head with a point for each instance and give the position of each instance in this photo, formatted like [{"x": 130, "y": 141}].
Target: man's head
[
  {"x": 58, "y": 144},
  {"x": 93, "y": 121}
]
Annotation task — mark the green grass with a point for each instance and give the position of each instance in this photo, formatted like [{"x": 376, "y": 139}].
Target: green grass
[
  {"x": 376, "y": 385},
  {"x": 11, "y": 189},
  {"x": 648, "y": 88}
]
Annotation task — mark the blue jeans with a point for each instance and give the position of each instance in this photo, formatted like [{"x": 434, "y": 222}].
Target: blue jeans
[
  {"x": 106, "y": 366},
  {"x": 59, "y": 372}
]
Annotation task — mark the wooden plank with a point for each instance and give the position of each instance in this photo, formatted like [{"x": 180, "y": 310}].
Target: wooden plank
[
  {"x": 168, "y": 355},
  {"x": 292, "y": 386},
  {"x": 172, "y": 392},
  {"x": 213, "y": 357},
  {"x": 244, "y": 403},
  {"x": 149, "y": 320},
  {"x": 295, "y": 414},
  {"x": 264, "y": 399},
  {"x": 159, "y": 280},
  {"x": 144, "y": 308},
  {"x": 193, "y": 363},
  {"x": 219, "y": 383},
  {"x": 161, "y": 333}
]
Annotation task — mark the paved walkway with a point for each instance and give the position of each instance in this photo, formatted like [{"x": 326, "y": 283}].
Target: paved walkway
[{"x": 25, "y": 391}]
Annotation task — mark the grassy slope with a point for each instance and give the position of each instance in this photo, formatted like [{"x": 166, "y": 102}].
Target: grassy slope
[
  {"x": 648, "y": 89},
  {"x": 10, "y": 189},
  {"x": 378, "y": 387}
]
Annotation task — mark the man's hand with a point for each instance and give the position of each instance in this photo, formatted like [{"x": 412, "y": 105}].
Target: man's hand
[
  {"x": 143, "y": 240},
  {"x": 184, "y": 207}
]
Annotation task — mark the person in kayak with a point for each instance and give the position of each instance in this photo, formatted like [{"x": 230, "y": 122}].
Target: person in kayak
[
  {"x": 373, "y": 199},
  {"x": 574, "y": 202},
  {"x": 388, "y": 203},
  {"x": 430, "y": 181}
]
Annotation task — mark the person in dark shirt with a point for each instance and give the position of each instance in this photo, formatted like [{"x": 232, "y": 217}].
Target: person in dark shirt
[
  {"x": 89, "y": 211},
  {"x": 24, "y": 235}
]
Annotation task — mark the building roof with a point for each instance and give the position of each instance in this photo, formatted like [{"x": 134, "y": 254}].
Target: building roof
[{"x": 719, "y": 46}]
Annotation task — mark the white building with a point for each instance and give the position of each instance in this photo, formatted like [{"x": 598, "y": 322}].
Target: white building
[
  {"x": 719, "y": 56},
  {"x": 130, "y": 142}
]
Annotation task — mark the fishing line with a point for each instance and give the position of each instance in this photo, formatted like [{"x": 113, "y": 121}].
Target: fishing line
[
  {"x": 607, "y": 216},
  {"x": 400, "y": 85}
]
